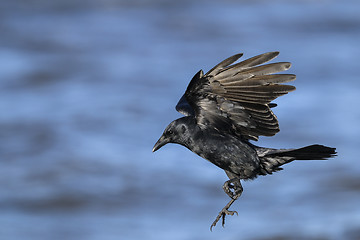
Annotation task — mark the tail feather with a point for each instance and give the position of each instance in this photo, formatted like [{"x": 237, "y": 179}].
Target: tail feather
[
  {"x": 313, "y": 152},
  {"x": 272, "y": 159}
]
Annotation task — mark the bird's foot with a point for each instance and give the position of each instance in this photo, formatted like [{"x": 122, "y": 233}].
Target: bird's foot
[
  {"x": 233, "y": 189},
  {"x": 225, "y": 211}
]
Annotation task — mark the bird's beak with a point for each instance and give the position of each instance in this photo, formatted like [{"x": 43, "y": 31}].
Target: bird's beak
[{"x": 161, "y": 142}]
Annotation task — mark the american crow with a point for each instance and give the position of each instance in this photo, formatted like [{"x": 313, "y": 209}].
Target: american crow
[{"x": 227, "y": 107}]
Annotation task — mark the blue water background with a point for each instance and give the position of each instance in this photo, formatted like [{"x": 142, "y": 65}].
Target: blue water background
[{"x": 87, "y": 87}]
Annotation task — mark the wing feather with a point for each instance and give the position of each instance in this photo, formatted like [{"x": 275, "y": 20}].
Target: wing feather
[
  {"x": 237, "y": 97},
  {"x": 215, "y": 70}
]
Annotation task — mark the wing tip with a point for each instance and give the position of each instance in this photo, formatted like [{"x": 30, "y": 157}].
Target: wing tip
[
  {"x": 270, "y": 55},
  {"x": 292, "y": 88},
  {"x": 238, "y": 55},
  {"x": 274, "y": 53},
  {"x": 288, "y": 65}
]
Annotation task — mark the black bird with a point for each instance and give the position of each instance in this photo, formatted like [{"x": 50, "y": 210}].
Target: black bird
[{"x": 227, "y": 107}]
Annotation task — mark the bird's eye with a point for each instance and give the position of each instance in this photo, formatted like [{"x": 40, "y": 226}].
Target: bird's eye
[
  {"x": 183, "y": 129},
  {"x": 170, "y": 132}
]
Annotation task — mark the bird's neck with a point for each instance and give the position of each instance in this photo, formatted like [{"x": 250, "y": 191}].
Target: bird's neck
[
  {"x": 198, "y": 138},
  {"x": 193, "y": 132}
]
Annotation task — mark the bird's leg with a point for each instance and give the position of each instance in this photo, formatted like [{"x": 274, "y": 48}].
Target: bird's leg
[
  {"x": 233, "y": 195},
  {"x": 232, "y": 183},
  {"x": 228, "y": 185}
]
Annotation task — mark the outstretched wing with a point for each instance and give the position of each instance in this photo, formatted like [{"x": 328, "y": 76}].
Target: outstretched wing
[{"x": 237, "y": 97}]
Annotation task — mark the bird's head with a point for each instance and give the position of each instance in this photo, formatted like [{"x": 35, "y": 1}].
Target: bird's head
[{"x": 177, "y": 131}]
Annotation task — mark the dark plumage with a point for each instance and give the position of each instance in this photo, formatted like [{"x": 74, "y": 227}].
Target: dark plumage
[{"x": 227, "y": 107}]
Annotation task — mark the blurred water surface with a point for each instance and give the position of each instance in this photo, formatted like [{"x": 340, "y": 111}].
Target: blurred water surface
[{"x": 87, "y": 87}]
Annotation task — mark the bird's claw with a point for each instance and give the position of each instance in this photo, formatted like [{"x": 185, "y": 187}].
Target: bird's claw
[{"x": 222, "y": 215}]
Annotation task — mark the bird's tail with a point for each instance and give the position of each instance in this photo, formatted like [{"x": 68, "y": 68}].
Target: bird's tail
[{"x": 272, "y": 159}]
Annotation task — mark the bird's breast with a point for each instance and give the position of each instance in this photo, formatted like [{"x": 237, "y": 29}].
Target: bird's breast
[{"x": 227, "y": 152}]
